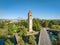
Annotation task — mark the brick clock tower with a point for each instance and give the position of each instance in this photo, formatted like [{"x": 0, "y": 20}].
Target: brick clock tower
[{"x": 30, "y": 21}]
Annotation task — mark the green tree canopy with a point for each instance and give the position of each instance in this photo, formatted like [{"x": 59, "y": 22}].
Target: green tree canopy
[
  {"x": 21, "y": 41},
  {"x": 22, "y": 31},
  {"x": 8, "y": 42},
  {"x": 36, "y": 25},
  {"x": 32, "y": 40},
  {"x": 56, "y": 27},
  {"x": 2, "y": 25}
]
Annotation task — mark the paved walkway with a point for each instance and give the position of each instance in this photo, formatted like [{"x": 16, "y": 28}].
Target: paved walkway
[{"x": 44, "y": 38}]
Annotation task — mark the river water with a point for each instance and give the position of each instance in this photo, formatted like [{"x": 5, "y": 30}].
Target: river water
[
  {"x": 2, "y": 41},
  {"x": 37, "y": 39}
]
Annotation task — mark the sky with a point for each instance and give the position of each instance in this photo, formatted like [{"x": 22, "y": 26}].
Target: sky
[{"x": 42, "y": 9}]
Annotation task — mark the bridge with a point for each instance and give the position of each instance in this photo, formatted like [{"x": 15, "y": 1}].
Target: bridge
[
  {"x": 44, "y": 38},
  {"x": 51, "y": 30},
  {"x": 16, "y": 37}
]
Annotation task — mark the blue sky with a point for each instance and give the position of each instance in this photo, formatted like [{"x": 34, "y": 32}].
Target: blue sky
[{"x": 43, "y": 9}]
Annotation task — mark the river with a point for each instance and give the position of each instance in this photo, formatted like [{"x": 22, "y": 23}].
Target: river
[{"x": 2, "y": 41}]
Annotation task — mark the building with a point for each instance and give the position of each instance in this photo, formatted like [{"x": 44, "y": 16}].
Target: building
[{"x": 30, "y": 21}]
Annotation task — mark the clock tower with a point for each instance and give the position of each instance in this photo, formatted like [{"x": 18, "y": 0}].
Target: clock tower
[{"x": 30, "y": 21}]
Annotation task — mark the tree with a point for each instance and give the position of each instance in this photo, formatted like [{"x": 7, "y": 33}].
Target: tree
[
  {"x": 22, "y": 31},
  {"x": 21, "y": 42},
  {"x": 50, "y": 24},
  {"x": 45, "y": 23},
  {"x": 12, "y": 28},
  {"x": 36, "y": 25},
  {"x": 56, "y": 27},
  {"x": 32, "y": 40},
  {"x": 8, "y": 42},
  {"x": 24, "y": 23},
  {"x": 53, "y": 22},
  {"x": 2, "y": 25},
  {"x": 3, "y": 33}
]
